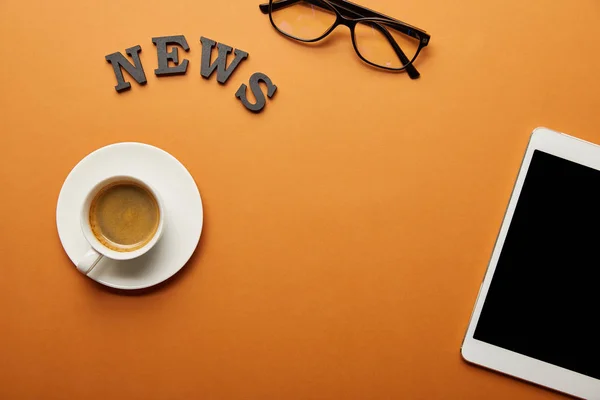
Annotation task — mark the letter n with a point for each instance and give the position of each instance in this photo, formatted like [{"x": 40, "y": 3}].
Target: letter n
[{"x": 136, "y": 70}]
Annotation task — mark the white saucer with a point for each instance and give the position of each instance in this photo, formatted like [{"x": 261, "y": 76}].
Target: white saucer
[{"x": 182, "y": 203}]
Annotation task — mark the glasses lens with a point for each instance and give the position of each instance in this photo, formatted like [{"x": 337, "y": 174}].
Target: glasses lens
[
  {"x": 303, "y": 20},
  {"x": 376, "y": 41}
]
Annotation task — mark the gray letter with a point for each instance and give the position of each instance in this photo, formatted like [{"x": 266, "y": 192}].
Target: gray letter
[
  {"x": 164, "y": 57},
  {"x": 220, "y": 64},
  {"x": 255, "y": 87},
  {"x": 119, "y": 61}
]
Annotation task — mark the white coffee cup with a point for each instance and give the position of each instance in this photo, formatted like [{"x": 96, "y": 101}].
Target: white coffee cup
[{"x": 97, "y": 249}]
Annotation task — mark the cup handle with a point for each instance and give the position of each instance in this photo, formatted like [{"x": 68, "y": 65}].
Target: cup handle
[{"x": 89, "y": 261}]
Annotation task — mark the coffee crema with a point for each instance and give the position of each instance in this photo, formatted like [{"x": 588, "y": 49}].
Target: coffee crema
[{"x": 124, "y": 216}]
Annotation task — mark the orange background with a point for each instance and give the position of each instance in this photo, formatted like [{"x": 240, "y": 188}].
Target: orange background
[{"x": 347, "y": 227}]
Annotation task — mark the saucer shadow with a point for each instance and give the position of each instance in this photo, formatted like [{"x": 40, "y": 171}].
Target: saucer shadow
[{"x": 136, "y": 267}]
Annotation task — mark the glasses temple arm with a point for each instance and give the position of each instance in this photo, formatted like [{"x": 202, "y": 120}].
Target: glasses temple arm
[
  {"x": 410, "y": 69},
  {"x": 264, "y": 8},
  {"x": 363, "y": 12},
  {"x": 354, "y": 11}
]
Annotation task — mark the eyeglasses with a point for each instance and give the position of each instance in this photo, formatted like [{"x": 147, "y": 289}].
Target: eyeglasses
[{"x": 379, "y": 40}]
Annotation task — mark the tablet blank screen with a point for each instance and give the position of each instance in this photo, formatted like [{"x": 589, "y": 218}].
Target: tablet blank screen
[{"x": 544, "y": 299}]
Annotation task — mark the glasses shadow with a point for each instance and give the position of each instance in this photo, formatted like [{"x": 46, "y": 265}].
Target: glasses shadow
[
  {"x": 335, "y": 36},
  {"x": 424, "y": 56},
  {"x": 328, "y": 41},
  {"x": 417, "y": 63}
]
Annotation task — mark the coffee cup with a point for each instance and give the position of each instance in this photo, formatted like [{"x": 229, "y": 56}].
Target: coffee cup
[{"x": 122, "y": 218}]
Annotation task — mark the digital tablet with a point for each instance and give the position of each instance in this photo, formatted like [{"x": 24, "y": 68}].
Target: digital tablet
[{"x": 537, "y": 315}]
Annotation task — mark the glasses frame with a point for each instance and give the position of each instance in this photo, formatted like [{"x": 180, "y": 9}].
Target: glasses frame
[{"x": 350, "y": 14}]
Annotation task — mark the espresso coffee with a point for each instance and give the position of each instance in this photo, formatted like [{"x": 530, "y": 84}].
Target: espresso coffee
[{"x": 124, "y": 216}]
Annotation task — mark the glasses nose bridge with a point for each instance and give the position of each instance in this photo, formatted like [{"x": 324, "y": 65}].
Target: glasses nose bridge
[{"x": 347, "y": 22}]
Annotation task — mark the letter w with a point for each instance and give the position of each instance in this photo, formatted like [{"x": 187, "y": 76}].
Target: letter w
[{"x": 220, "y": 63}]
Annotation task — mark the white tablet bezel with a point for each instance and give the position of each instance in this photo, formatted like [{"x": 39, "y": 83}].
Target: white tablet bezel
[{"x": 506, "y": 361}]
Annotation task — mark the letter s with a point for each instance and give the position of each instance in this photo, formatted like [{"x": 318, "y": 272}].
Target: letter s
[{"x": 255, "y": 79}]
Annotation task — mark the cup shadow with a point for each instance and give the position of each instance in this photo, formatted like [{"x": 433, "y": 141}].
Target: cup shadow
[{"x": 135, "y": 267}]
